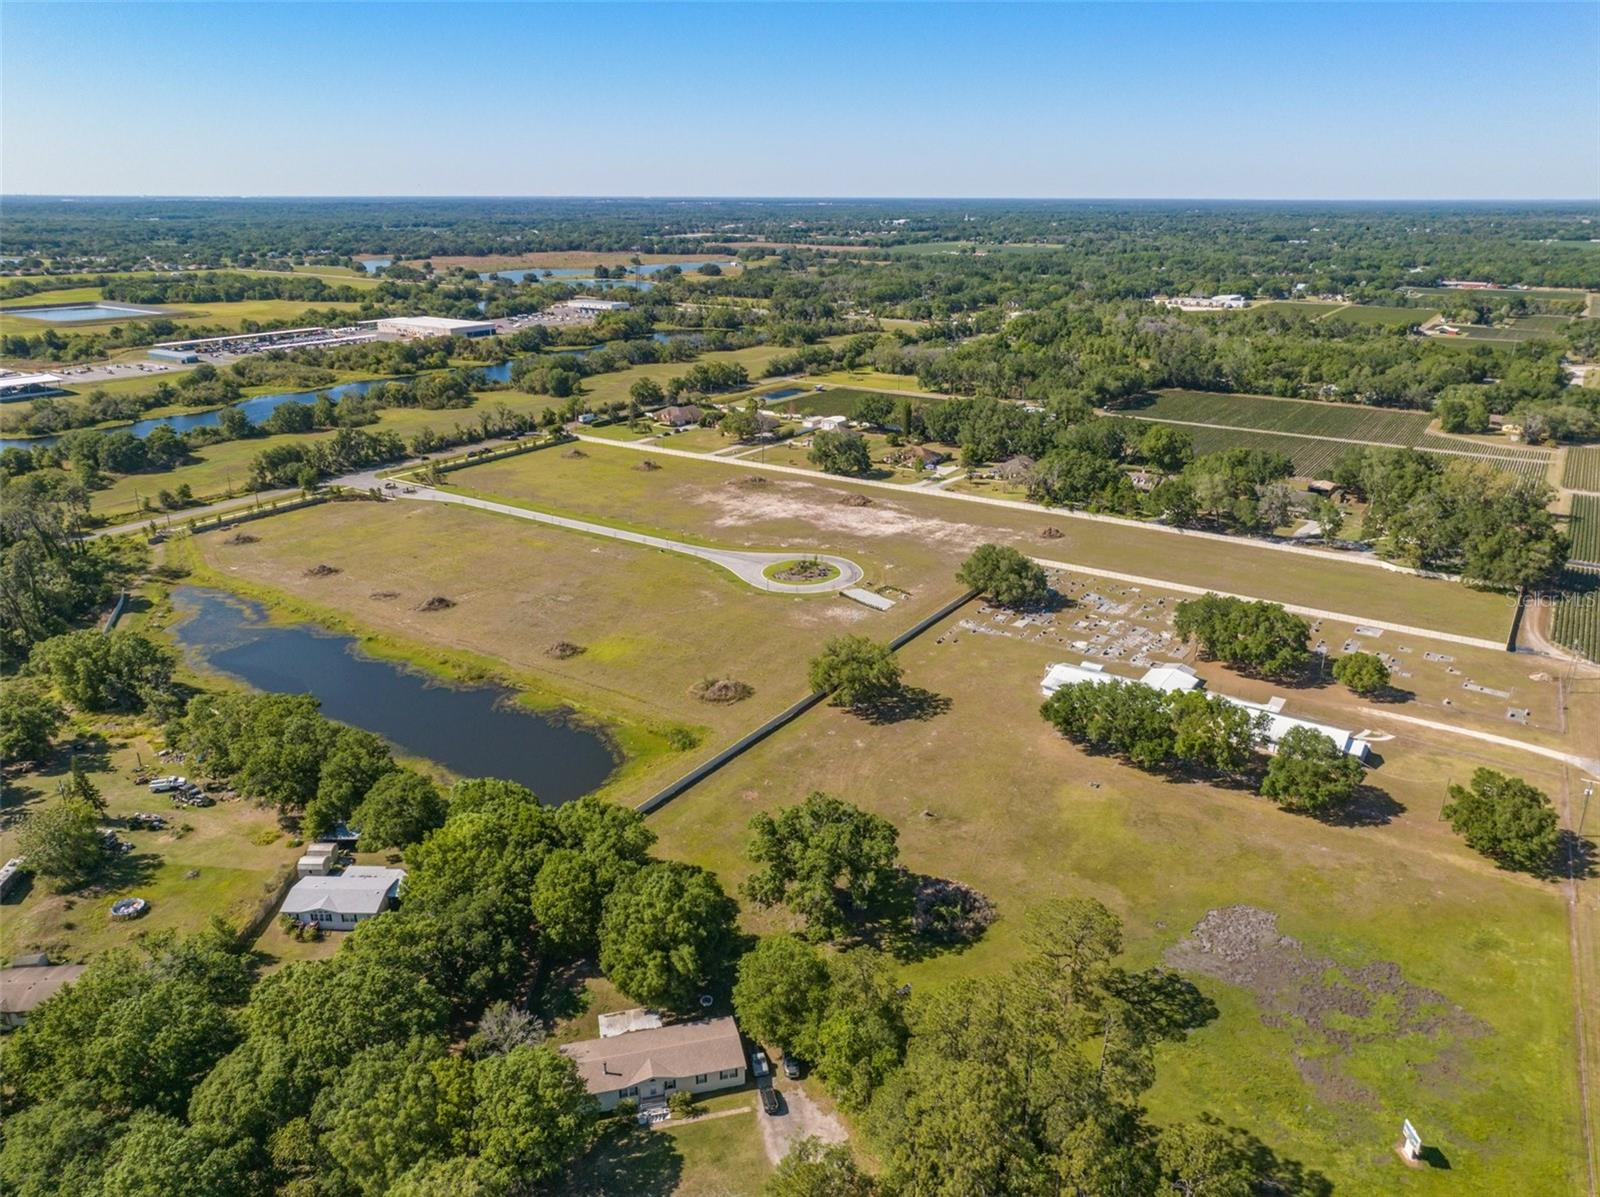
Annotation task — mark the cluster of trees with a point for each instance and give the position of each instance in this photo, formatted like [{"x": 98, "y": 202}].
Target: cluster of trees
[
  {"x": 114, "y": 671},
  {"x": 281, "y": 749},
  {"x": 1005, "y": 576},
  {"x": 1507, "y": 820},
  {"x": 840, "y": 452},
  {"x": 49, "y": 576},
  {"x": 1490, "y": 526},
  {"x": 1194, "y": 731},
  {"x": 857, "y": 671},
  {"x": 165, "y": 1071},
  {"x": 825, "y": 859},
  {"x": 1257, "y": 637},
  {"x": 708, "y": 378},
  {"x": 1031, "y": 1082},
  {"x": 303, "y": 464}
]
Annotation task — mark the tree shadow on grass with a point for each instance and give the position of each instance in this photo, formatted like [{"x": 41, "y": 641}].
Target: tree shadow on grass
[
  {"x": 561, "y": 993},
  {"x": 908, "y": 704},
  {"x": 1575, "y": 856},
  {"x": 1163, "y": 1004},
  {"x": 627, "y": 1159},
  {"x": 1392, "y": 696},
  {"x": 1370, "y": 807},
  {"x": 920, "y": 917},
  {"x": 122, "y": 873}
]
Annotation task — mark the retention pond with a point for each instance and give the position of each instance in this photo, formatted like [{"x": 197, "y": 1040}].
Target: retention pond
[{"x": 474, "y": 731}]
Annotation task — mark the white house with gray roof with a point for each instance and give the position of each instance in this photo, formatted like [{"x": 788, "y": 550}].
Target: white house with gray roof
[
  {"x": 339, "y": 901},
  {"x": 652, "y": 1064}
]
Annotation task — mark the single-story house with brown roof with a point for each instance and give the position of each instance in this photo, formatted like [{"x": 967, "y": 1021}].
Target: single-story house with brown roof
[
  {"x": 913, "y": 455},
  {"x": 679, "y": 417},
  {"x": 650, "y": 1065}
]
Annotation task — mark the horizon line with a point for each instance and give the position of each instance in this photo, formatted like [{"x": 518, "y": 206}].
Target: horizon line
[{"x": 710, "y": 198}]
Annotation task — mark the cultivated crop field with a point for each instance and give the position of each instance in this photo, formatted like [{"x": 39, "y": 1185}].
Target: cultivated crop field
[
  {"x": 1373, "y": 314},
  {"x": 1576, "y": 623},
  {"x": 1585, "y": 529},
  {"x": 836, "y": 401},
  {"x": 1374, "y": 425},
  {"x": 1293, "y": 427},
  {"x": 1312, "y": 458},
  {"x": 1582, "y": 470}
]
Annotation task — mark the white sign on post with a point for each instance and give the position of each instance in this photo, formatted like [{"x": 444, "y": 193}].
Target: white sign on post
[{"x": 1413, "y": 1140}]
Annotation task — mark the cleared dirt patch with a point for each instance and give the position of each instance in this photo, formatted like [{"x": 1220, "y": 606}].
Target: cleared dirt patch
[
  {"x": 818, "y": 507},
  {"x": 1322, "y": 1004},
  {"x": 855, "y": 501}
]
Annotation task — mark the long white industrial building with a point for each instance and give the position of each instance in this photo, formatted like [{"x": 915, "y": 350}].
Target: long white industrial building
[
  {"x": 1169, "y": 678},
  {"x": 417, "y": 327}
]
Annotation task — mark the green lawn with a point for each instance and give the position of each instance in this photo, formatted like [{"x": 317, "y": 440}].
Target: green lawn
[
  {"x": 985, "y": 793},
  {"x": 710, "y": 1156},
  {"x": 228, "y": 861},
  {"x": 870, "y": 380}
]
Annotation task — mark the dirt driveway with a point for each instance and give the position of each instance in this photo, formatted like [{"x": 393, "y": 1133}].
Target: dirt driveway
[{"x": 801, "y": 1118}]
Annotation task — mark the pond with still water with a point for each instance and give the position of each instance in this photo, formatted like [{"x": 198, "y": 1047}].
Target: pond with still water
[
  {"x": 474, "y": 731},
  {"x": 81, "y": 313}
]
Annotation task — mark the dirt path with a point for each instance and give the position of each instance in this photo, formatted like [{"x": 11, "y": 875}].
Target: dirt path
[
  {"x": 801, "y": 1118},
  {"x": 748, "y": 567}
]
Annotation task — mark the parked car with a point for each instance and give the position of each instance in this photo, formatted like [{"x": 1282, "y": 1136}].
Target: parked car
[
  {"x": 758, "y": 1064},
  {"x": 769, "y": 1100},
  {"x": 791, "y": 1067},
  {"x": 165, "y": 785}
]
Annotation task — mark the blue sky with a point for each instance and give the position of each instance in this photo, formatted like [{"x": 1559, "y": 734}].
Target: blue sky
[{"x": 1270, "y": 100}]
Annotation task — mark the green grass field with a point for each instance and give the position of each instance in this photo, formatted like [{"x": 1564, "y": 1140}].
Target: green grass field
[
  {"x": 718, "y": 1154},
  {"x": 521, "y": 587},
  {"x": 835, "y": 401},
  {"x": 1375, "y": 314},
  {"x": 869, "y": 380},
  {"x": 986, "y": 794},
  {"x": 701, "y": 498},
  {"x": 229, "y": 862},
  {"x": 1582, "y": 471}
]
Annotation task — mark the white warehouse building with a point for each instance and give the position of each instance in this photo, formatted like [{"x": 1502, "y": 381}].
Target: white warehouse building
[
  {"x": 413, "y": 328},
  {"x": 593, "y": 306},
  {"x": 1168, "y": 678}
]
